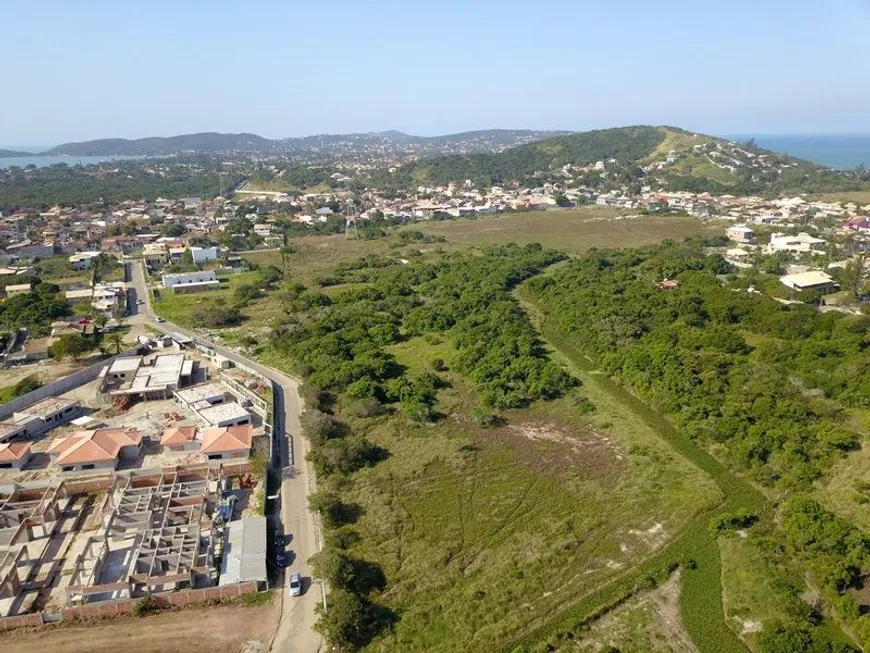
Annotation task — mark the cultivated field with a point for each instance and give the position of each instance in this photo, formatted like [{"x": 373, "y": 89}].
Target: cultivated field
[{"x": 571, "y": 230}]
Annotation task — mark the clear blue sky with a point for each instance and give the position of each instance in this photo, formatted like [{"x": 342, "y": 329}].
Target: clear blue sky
[{"x": 113, "y": 68}]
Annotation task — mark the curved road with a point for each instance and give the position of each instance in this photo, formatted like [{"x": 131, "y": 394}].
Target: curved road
[{"x": 295, "y": 631}]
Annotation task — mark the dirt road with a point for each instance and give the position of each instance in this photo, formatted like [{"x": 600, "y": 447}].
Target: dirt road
[{"x": 231, "y": 629}]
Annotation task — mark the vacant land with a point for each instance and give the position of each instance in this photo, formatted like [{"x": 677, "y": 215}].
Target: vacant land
[
  {"x": 749, "y": 591},
  {"x": 234, "y": 629},
  {"x": 179, "y": 308},
  {"x": 647, "y": 623},
  {"x": 482, "y": 531},
  {"x": 571, "y": 230},
  {"x": 859, "y": 197}
]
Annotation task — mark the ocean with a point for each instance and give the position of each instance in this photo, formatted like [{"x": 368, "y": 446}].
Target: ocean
[
  {"x": 841, "y": 151},
  {"x": 42, "y": 161}
]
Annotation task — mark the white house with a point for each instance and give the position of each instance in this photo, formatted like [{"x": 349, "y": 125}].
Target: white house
[
  {"x": 82, "y": 260},
  {"x": 801, "y": 244},
  {"x": 813, "y": 280},
  {"x": 203, "y": 254},
  {"x": 190, "y": 281},
  {"x": 740, "y": 234}
]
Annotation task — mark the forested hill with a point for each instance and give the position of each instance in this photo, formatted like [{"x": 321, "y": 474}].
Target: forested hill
[
  {"x": 489, "y": 140},
  {"x": 666, "y": 157},
  {"x": 10, "y": 153},
  {"x": 204, "y": 143}
]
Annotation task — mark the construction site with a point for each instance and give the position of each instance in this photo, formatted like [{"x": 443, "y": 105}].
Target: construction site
[{"x": 111, "y": 540}]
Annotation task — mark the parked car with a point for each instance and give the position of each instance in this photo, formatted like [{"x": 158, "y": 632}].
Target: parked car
[
  {"x": 281, "y": 559},
  {"x": 159, "y": 319},
  {"x": 295, "y": 584}
]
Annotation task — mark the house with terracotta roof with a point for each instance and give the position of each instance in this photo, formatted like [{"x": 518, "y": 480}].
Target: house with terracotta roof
[
  {"x": 14, "y": 455},
  {"x": 224, "y": 443},
  {"x": 180, "y": 439},
  {"x": 99, "y": 449}
]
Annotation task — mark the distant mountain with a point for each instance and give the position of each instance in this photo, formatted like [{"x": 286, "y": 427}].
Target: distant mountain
[
  {"x": 207, "y": 142},
  {"x": 323, "y": 145},
  {"x": 679, "y": 158},
  {"x": 10, "y": 153}
]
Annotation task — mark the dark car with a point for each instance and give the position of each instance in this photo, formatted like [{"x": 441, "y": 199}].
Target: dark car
[{"x": 281, "y": 559}]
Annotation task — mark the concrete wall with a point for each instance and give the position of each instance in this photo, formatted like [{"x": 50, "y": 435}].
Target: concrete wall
[
  {"x": 125, "y": 606},
  {"x": 58, "y": 387}
]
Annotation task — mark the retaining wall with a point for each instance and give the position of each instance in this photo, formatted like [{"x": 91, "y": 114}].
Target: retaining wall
[{"x": 59, "y": 387}]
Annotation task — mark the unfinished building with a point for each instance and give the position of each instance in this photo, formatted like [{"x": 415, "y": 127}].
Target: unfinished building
[
  {"x": 147, "y": 378},
  {"x": 28, "y": 514},
  {"x": 157, "y": 536}
]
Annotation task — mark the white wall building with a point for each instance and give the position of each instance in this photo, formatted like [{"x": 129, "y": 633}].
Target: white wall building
[
  {"x": 203, "y": 254},
  {"x": 190, "y": 280},
  {"x": 801, "y": 244}
]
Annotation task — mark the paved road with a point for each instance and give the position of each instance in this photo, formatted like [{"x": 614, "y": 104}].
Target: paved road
[{"x": 295, "y": 631}]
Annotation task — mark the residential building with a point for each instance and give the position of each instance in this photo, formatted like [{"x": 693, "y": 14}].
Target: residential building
[
  {"x": 226, "y": 414},
  {"x": 82, "y": 260},
  {"x": 740, "y": 234},
  {"x": 17, "y": 289},
  {"x": 232, "y": 443},
  {"x": 180, "y": 439},
  {"x": 203, "y": 254},
  {"x": 190, "y": 281},
  {"x": 157, "y": 378},
  {"x": 814, "y": 280},
  {"x": 14, "y": 455},
  {"x": 97, "y": 450},
  {"x": 801, "y": 244},
  {"x": 155, "y": 254},
  {"x": 46, "y": 414}
]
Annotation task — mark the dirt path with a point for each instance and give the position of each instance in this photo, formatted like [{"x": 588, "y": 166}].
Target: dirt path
[{"x": 217, "y": 630}]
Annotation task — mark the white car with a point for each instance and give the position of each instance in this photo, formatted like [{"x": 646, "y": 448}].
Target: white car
[{"x": 295, "y": 584}]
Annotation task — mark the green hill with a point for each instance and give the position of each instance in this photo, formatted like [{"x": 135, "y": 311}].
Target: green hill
[
  {"x": 662, "y": 157},
  {"x": 205, "y": 142},
  {"x": 10, "y": 153}
]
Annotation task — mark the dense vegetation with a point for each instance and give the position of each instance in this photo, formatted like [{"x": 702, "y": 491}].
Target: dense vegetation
[
  {"x": 687, "y": 352},
  {"x": 766, "y": 385},
  {"x": 339, "y": 345},
  {"x": 120, "y": 181},
  {"x": 518, "y": 163},
  {"x": 204, "y": 142},
  {"x": 35, "y": 310}
]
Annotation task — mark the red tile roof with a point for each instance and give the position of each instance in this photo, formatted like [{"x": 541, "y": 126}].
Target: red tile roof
[
  {"x": 178, "y": 435},
  {"x": 93, "y": 446},
  {"x": 220, "y": 439},
  {"x": 13, "y": 451}
]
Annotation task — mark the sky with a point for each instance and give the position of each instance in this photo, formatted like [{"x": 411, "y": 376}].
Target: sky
[{"x": 102, "y": 68}]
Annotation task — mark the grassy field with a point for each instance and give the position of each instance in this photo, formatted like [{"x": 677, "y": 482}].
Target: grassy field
[
  {"x": 180, "y": 308},
  {"x": 571, "y": 230},
  {"x": 748, "y": 587},
  {"x": 316, "y": 256},
  {"x": 482, "y": 532},
  {"x": 647, "y": 623},
  {"x": 858, "y": 197},
  {"x": 846, "y": 489}
]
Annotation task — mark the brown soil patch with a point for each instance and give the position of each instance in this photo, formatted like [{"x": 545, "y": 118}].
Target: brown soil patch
[
  {"x": 217, "y": 630},
  {"x": 556, "y": 448}
]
